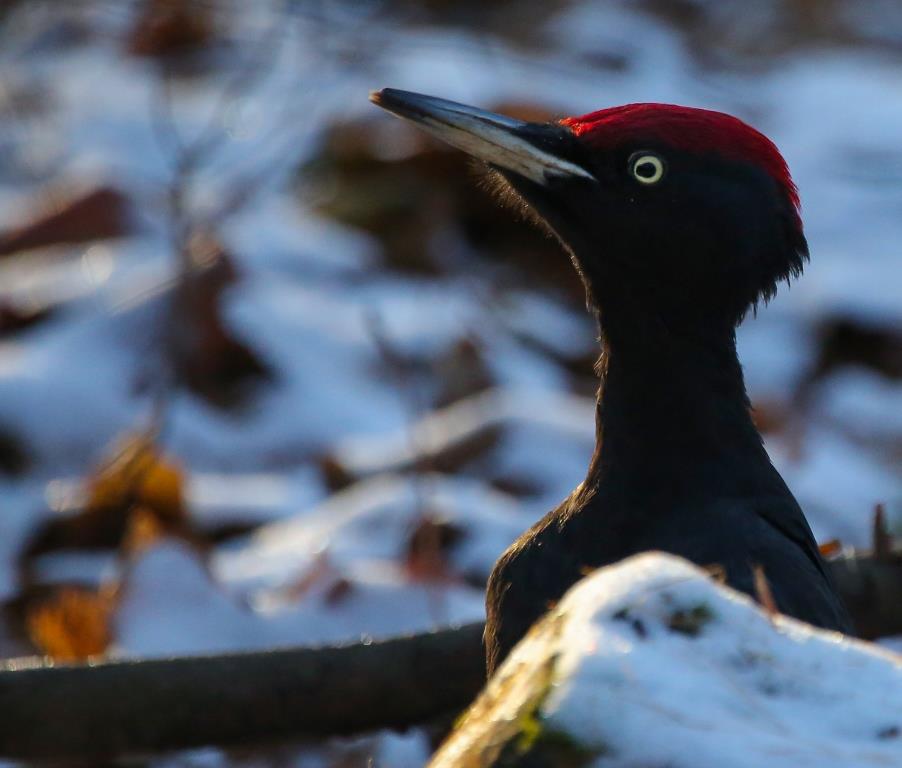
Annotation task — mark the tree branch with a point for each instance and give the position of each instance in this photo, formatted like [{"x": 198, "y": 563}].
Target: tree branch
[{"x": 127, "y": 707}]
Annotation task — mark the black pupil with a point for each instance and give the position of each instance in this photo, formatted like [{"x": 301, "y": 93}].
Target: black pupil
[{"x": 646, "y": 169}]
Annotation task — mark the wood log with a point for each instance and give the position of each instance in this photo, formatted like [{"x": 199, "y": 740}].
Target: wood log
[{"x": 94, "y": 711}]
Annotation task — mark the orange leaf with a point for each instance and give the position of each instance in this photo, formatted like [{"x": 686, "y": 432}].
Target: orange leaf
[
  {"x": 144, "y": 530},
  {"x": 830, "y": 548},
  {"x": 137, "y": 472},
  {"x": 134, "y": 475},
  {"x": 74, "y": 624}
]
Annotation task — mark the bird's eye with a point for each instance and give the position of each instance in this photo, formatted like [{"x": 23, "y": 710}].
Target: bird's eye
[{"x": 646, "y": 168}]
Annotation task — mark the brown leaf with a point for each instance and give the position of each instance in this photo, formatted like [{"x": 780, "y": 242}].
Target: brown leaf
[
  {"x": 15, "y": 458},
  {"x": 335, "y": 475},
  {"x": 428, "y": 549},
  {"x": 339, "y": 591},
  {"x": 209, "y": 360},
  {"x": 717, "y": 572},
  {"x": 853, "y": 341},
  {"x": 14, "y": 317},
  {"x": 170, "y": 27},
  {"x": 690, "y": 621},
  {"x": 98, "y": 214}
]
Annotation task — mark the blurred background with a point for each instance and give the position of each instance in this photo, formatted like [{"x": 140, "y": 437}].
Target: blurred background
[{"x": 274, "y": 369}]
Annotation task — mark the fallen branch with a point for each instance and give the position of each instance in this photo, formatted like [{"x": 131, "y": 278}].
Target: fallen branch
[
  {"x": 129, "y": 707},
  {"x": 132, "y": 707}
]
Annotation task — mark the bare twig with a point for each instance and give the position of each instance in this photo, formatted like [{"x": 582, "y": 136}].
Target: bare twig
[
  {"x": 763, "y": 593},
  {"x": 882, "y": 540},
  {"x": 190, "y": 158}
]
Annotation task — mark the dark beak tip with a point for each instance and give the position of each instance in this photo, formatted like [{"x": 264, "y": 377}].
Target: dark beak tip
[{"x": 498, "y": 140}]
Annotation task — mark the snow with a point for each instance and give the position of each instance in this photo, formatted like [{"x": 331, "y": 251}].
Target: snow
[
  {"x": 251, "y": 497},
  {"x": 172, "y": 605},
  {"x": 609, "y": 671},
  {"x": 564, "y": 418},
  {"x": 369, "y": 521},
  {"x": 773, "y": 371},
  {"x": 836, "y": 482},
  {"x": 862, "y": 403}
]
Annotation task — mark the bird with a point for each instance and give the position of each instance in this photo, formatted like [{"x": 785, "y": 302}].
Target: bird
[{"x": 679, "y": 221}]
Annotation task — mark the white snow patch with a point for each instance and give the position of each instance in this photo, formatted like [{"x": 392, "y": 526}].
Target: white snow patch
[
  {"x": 570, "y": 416},
  {"x": 368, "y": 523},
  {"x": 836, "y": 482},
  {"x": 173, "y": 605},
  {"x": 862, "y": 403},
  {"x": 743, "y": 689}
]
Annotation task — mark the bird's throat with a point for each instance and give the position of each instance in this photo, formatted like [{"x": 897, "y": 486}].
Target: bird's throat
[{"x": 672, "y": 408}]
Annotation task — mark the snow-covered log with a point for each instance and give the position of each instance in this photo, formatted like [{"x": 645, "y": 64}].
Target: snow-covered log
[{"x": 652, "y": 663}]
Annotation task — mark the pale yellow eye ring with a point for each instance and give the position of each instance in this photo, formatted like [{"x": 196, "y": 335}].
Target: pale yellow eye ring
[{"x": 646, "y": 168}]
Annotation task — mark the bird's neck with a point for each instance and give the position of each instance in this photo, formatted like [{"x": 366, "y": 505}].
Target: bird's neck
[{"x": 672, "y": 408}]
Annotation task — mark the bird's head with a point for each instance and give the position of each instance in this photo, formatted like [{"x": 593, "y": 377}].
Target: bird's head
[{"x": 686, "y": 213}]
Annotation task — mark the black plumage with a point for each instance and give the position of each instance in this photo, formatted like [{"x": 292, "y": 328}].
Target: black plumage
[{"x": 678, "y": 221}]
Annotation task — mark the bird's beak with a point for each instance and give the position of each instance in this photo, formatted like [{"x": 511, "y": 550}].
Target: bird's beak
[{"x": 533, "y": 150}]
